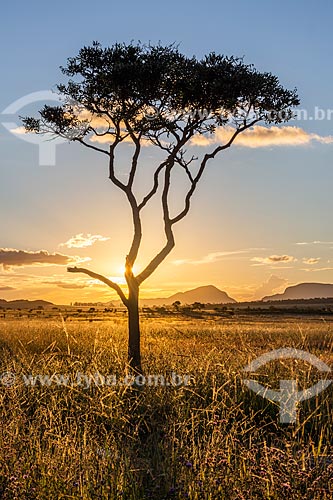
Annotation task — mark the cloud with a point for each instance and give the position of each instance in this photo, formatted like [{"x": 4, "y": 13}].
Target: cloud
[
  {"x": 311, "y": 261},
  {"x": 273, "y": 259},
  {"x": 10, "y": 257},
  {"x": 274, "y": 284},
  {"x": 101, "y": 122},
  {"x": 63, "y": 284},
  {"x": 81, "y": 241},
  {"x": 6, "y": 288},
  {"x": 18, "y": 130},
  {"x": 316, "y": 242},
  {"x": 317, "y": 269},
  {"x": 261, "y": 137},
  {"x": 212, "y": 257}
]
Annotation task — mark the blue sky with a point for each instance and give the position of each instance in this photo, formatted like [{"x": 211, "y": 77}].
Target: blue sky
[{"x": 256, "y": 202}]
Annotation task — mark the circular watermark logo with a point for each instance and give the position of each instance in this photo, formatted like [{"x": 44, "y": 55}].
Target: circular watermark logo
[
  {"x": 7, "y": 379},
  {"x": 288, "y": 396},
  {"x": 47, "y": 147}
]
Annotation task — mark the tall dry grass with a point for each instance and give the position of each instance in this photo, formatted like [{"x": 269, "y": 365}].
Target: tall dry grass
[{"x": 212, "y": 439}]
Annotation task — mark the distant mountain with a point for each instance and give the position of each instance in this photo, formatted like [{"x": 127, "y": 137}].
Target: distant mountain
[
  {"x": 24, "y": 304},
  {"x": 304, "y": 291},
  {"x": 205, "y": 294}
]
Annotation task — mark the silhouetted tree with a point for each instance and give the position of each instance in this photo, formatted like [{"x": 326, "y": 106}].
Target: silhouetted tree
[
  {"x": 176, "y": 304},
  {"x": 156, "y": 95},
  {"x": 198, "y": 305}
]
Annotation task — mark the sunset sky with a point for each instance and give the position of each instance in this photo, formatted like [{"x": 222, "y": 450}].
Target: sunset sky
[{"x": 261, "y": 218}]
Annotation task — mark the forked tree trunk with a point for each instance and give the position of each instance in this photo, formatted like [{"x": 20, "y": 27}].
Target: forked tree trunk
[{"x": 134, "y": 353}]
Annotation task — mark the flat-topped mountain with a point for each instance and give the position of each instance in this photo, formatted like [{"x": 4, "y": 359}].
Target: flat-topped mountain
[
  {"x": 304, "y": 291},
  {"x": 205, "y": 294}
]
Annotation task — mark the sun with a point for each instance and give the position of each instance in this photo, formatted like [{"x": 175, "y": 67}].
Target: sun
[{"x": 120, "y": 270}]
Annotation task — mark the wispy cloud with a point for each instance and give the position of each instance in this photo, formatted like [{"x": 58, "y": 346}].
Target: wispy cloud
[
  {"x": 274, "y": 259},
  {"x": 260, "y": 137},
  {"x": 82, "y": 241},
  {"x": 10, "y": 257},
  {"x": 316, "y": 242},
  {"x": 6, "y": 288},
  {"x": 317, "y": 269},
  {"x": 18, "y": 130},
  {"x": 108, "y": 139},
  {"x": 66, "y": 285},
  {"x": 311, "y": 261},
  {"x": 105, "y": 139},
  {"x": 255, "y": 137},
  {"x": 213, "y": 257}
]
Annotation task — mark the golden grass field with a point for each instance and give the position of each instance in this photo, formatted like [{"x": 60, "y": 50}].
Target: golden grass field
[{"x": 211, "y": 439}]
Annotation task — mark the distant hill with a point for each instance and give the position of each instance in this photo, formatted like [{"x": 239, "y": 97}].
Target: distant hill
[
  {"x": 24, "y": 304},
  {"x": 205, "y": 294},
  {"x": 304, "y": 291}
]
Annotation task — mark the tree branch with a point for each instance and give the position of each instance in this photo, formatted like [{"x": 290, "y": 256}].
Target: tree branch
[
  {"x": 168, "y": 223},
  {"x": 158, "y": 259},
  {"x": 155, "y": 186},
  {"x": 203, "y": 164},
  {"x": 81, "y": 141},
  {"x": 135, "y": 157},
  {"x": 112, "y": 175},
  {"x": 171, "y": 157},
  {"x": 102, "y": 278},
  {"x": 170, "y": 243},
  {"x": 127, "y": 189},
  {"x": 137, "y": 236}
]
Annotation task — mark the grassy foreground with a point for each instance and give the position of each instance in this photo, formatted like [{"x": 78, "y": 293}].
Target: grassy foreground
[{"x": 211, "y": 439}]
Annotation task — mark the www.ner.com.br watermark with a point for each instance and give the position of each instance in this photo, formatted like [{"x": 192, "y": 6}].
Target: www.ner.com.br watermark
[
  {"x": 316, "y": 113},
  {"x": 90, "y": 380},
  {"x": 10, "y": 119}
]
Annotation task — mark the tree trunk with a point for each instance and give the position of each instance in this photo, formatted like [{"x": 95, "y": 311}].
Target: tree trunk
[{"x": 134, "y": 353}]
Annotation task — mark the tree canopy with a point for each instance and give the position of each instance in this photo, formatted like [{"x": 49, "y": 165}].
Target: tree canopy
[{"x": 151, "y": 90}]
